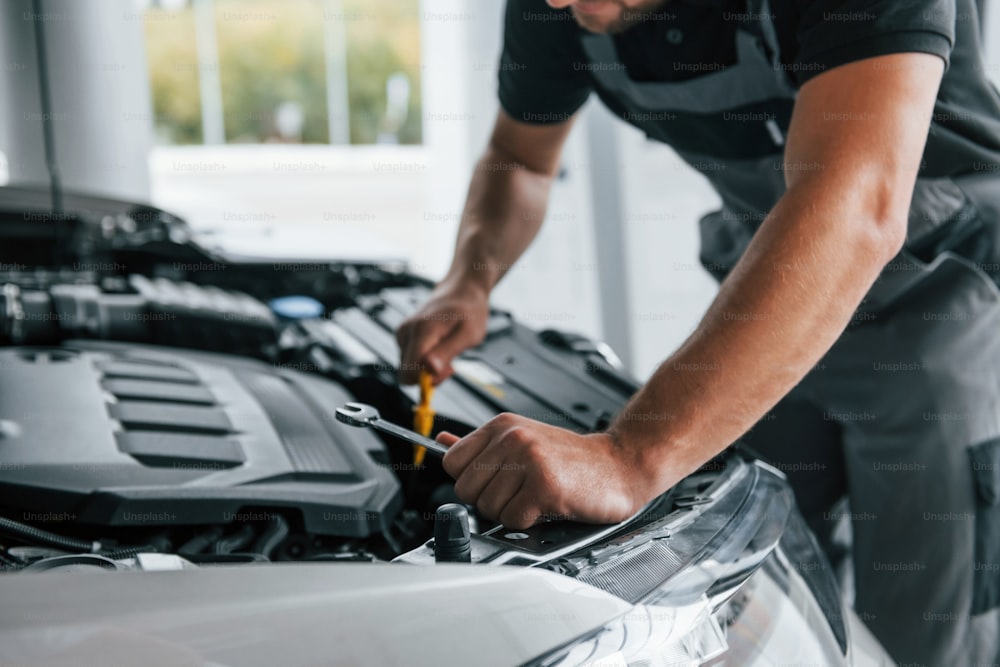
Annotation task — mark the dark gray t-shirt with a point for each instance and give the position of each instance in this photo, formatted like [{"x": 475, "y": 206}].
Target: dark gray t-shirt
[{"x": 544, "y": 76}]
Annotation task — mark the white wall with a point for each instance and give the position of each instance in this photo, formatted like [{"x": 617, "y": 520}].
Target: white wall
[{"x": 669, "y": 289}]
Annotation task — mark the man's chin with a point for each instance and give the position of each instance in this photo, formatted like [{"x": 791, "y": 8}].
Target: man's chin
[
  {"x": 621, "y": 20},
  {"x": 601, "y": 26},
  {"x": 597, "y": 26}
]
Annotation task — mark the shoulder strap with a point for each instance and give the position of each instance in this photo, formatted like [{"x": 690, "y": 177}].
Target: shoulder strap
[{"x": 759, "y": 21}]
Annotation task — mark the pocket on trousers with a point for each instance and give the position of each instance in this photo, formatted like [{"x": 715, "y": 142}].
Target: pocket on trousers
[{"x": 985, "y": 460}]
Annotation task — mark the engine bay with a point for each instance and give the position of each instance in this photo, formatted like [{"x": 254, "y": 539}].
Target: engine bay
[
  {"x": 154, "y": 400},
  {"x": 166, "y": 405}
]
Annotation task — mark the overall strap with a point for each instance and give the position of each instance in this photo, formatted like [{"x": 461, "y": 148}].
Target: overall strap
[{"x": 760, "y": 22}]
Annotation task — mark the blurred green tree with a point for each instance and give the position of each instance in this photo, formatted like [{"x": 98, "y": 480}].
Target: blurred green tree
[
  {"x": 173, "y": 75},
  {"x": 271, "y": 56}
]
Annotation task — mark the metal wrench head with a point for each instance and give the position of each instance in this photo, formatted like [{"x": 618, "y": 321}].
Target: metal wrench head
[
  {"x": 357, "y": 414},
  {"x": 361, "y": 414}
]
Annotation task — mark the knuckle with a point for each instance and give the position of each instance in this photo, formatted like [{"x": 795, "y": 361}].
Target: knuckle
[
  {"x": 463, "y": 489},
  {"x": 519, "y": 437},
  {"x": 504, "y": 420}
]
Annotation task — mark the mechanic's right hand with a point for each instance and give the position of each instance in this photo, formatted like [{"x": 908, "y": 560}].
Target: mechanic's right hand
[{"x": 451, "y": 321}]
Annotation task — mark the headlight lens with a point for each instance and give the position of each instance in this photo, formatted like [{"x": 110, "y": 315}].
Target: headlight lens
[
  {"x": 773, "y": 619},
  {"x": 650, "y": 636},
  {"x": 732, "y": 579}
]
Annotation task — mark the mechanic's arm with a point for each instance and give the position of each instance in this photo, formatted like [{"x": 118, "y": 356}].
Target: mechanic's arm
[
  {"x": 854, "y": 147},
  {"x": 503, "y": 212},
  {"x": 853, "y": 151}
]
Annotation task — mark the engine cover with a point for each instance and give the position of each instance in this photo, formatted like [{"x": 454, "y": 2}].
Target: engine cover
[{"x": 130, "y": 435}]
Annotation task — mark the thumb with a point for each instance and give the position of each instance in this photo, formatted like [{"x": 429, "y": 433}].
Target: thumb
[
  {"x": 440, "y": 357},
  {"x": 447, "y": 439}
]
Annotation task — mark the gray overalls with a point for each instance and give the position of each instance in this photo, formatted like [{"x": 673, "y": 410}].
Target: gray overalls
[{"x": 903, "y": 413}]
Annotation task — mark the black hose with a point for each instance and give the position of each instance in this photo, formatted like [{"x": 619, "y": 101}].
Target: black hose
[
  {"x": 273, "y": 535},
  {"x": 34, "y": 535},
  {"x": 44, "y": 537},
  {"x": 129, "y": 552},
  {"x": 234, "y": 542},
  {"x": 200, "y": 542}
]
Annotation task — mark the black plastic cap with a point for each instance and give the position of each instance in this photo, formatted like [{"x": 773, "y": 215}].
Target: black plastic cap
[{"x": 451, "y": 534}]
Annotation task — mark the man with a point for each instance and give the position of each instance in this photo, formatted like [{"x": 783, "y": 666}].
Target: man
[{"x": 856, "y": 149}]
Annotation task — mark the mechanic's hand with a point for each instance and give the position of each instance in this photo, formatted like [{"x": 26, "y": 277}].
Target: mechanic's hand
[
  {"x": 520, "y": 471},
  {"x": 452, "y": 321}
]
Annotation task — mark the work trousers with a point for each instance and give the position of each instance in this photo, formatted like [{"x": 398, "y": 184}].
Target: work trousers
[{"x": 902, "y": 417}]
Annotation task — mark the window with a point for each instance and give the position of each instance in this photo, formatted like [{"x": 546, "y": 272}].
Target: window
[{"x": 284, "y": 71}]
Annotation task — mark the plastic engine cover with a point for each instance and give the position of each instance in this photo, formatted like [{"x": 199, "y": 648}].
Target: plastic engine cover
[{"x": 130, "y": 435}]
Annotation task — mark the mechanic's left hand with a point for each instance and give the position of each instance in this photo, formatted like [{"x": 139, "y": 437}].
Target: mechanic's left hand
[{"x": 519, "y": 471}]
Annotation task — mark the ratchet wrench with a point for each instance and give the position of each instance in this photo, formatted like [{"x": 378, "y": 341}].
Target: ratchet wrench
[{"x": 361, "y": 414}]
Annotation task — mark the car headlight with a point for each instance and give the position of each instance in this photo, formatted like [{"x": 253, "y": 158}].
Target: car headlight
[
  {"x": 719, "y": 570},
  {"x": 773, "y": 619},
  {"x": 736, "y": 579},
  {"x": 649, "y": 636}
]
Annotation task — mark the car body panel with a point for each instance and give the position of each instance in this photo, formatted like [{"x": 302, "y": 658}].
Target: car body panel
[{"x": 345, "y": 614}]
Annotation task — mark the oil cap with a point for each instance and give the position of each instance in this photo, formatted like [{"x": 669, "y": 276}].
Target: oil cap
[{"x": 452, "y": 542}]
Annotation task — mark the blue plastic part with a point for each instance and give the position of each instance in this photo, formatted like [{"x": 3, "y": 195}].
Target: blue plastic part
[{"x": 296, "y": 307}]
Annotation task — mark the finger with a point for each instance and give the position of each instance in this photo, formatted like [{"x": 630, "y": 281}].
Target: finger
[
  {"x": 441, "y": 377},
  {"x": 499, "y": 492},
  {"x": 440, "y": 356},
  {"x": 447, "y": 439},
  {"x": 407, "y": 367},
  {"x": 409, "y": 361},
  {"x": 424, "y": 336},
  {"x": 409, "y": 370},
  {"x": 462, "y": 453},
  {"x": 481, "y": 473},
  {"x": 520, "y": 513}
]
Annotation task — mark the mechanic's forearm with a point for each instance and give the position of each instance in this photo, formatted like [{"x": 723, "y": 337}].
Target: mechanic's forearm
[
  {"x": 503, "y": 212},
  {"x": 783, "y": 307}
]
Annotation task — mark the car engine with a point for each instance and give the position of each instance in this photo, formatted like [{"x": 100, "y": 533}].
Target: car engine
[
  {"x": 156, "y": 398},
  {"x": 166, "y": 404}
]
